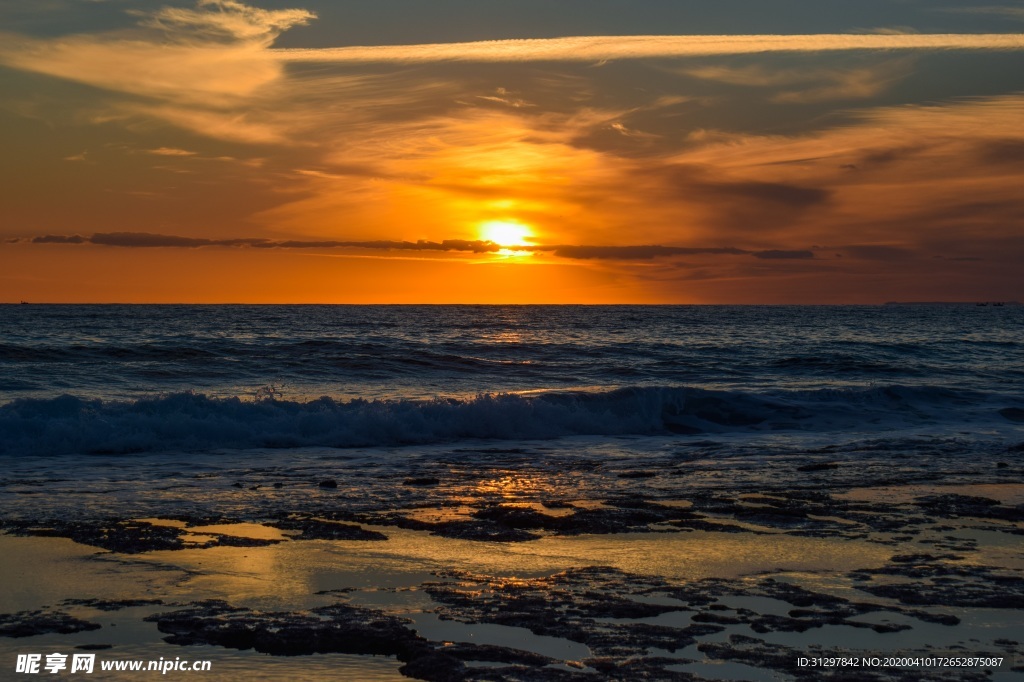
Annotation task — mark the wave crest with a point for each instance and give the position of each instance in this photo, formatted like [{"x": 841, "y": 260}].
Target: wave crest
[{"x": 195, "y": 422}]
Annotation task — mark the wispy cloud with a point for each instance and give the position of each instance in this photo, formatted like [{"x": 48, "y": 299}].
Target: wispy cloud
[
  {"x": 212, "y": 57},
  {"x": 200, "y": 73},
  {"x": 821, "y": 84},
  {"x": 601, "y": 48},
  {"x": 227, "y": 20},
  {"x": 993, "y": 10},
  {"x": 170, "y": 151}
]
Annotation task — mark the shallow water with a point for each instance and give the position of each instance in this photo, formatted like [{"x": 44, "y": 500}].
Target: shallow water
[{"x": 298, "y": 575}]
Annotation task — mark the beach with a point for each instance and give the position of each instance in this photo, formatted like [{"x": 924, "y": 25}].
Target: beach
[{"x": 846, "y": 521}]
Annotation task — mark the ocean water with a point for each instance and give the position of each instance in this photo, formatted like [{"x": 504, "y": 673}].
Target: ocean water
[{"x": 121, "y": 379}]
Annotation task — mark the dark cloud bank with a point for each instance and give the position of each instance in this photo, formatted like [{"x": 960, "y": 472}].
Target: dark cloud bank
[{"x": 578, "y": 252}]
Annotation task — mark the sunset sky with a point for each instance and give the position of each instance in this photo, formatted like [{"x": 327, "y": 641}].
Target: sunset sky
[{"x": 518, "y": 151}]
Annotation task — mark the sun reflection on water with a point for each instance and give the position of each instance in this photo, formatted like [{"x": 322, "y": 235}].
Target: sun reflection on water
[{"x": 512, "y": 485}]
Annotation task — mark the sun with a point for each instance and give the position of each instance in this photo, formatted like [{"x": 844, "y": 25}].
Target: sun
[{"x": 505, "y": 233}]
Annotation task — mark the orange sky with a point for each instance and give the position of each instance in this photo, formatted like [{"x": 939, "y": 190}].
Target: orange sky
[{"x": 188, "y": 152}]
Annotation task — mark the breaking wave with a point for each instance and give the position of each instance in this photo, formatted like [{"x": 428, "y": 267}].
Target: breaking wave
[{"x": 195, "y": 422}]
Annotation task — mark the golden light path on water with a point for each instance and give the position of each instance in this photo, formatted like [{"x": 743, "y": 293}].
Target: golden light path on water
[{"x": 287, "y": 575}]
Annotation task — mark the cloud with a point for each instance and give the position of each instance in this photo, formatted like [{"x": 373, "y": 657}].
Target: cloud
[
  {"x": 598, "y": 48},
  {"x": 906, "y": 182},
  {"x": 631, "y": 167},
  {"x": 230, "y": 124},
  {"x": 503, "y": 96},
  {"x": 230, "y": 21},
  {"x": 210, "y": 56},
  {"x": 210, "y": 69},
  {"x": 823, "y": 84},
  {"x": 60, "y": 239},
  {"x": 775, "y": 254},
  {"x": 713, "y": 200},
  {"x": 632, "y": 252},
  {"x": 849, "y": 84},
  {"x": 994, "y": 10},
  {"x": 453, "y": 171},
  {"x": 704, "y": 183},
  {"x": 1008, "y": 151},
  {"x": 780, "y": 194},
  {"x": 170, "y": 151},
  {"x": 880, "y": 252},
  {"x": 147, "y": 240},
  {"x": 475, "y": 246},
  {"x": 203, "y": 73},
  {"x": 152, "y": 240},
  {"x": 468, "y": 245}
]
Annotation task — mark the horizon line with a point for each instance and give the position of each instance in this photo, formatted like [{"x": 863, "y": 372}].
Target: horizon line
[{"x": 974, "y": 302}]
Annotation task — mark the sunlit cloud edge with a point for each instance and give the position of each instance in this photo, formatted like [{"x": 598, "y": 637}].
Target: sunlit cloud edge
[{"x": 599, "y": 48}]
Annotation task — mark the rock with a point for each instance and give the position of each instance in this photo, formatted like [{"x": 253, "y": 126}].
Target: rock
[
  {"x": 331, "y": 629},
  {"x": 341, "y": 628},
  {"x": 31, "y": 623},
  {"x": 235, "y": 541},
  {"x": 112, "y": 604},
  {"x": 316, "y": 529},
  {"x": 941, "y": 581},
  {"x": 515, "y": 517},
  {"x": 127, "y": 537},
  {"x": 954, "y": 506}
]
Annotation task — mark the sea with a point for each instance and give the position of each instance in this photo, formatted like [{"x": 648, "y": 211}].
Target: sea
[
  {"x": 231, "y": 425},
  {"x": 150, "y": 379}
]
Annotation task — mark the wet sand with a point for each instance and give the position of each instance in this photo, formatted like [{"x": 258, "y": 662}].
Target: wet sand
[{"x": 633, "y": 572}]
